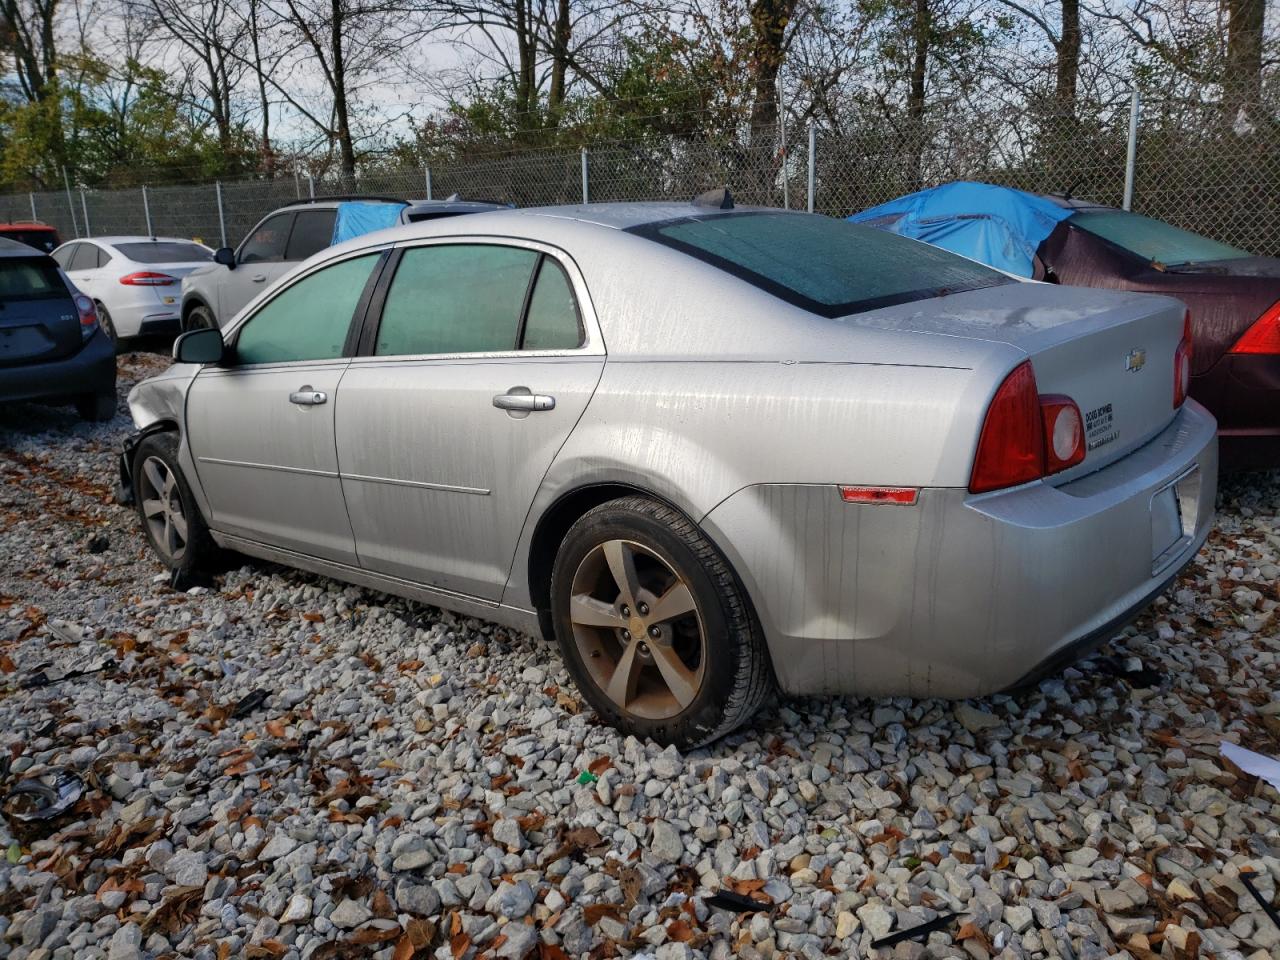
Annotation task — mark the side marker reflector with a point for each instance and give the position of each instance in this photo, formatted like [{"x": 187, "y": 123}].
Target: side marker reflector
[{"x": 900, "y": 496}]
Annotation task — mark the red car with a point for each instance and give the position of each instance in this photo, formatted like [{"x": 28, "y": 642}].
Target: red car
[
  {"x": 33, "y": 233},
  {"x": 1233, "y": 298}
]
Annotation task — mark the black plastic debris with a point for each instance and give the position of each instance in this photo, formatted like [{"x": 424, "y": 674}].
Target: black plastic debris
[
  {"x": 911, "y": 933},
  {"x": 99, "y": 543},
  {"x": 249, "y": 703},
  {"x": 729, "y": 900},
  {"x": 1246, "y": 877},
  {"x": 43, "y": 798},
  {"x": 41, "y": 678}
]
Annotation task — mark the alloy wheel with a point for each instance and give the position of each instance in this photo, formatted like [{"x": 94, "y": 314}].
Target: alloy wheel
[
  {"x": 163, "y": 509},
  {"x": 638, "y": 629}
]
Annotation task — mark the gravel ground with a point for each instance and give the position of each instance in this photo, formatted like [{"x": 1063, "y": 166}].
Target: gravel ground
[{"x": 408, "y": 783}]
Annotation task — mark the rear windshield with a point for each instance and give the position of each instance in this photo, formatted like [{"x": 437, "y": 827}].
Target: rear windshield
[
  {"x": 830, "y": 267},
  {"x": 1154, "y": 240},
  {"x": 45, "y": 240},
  {"x": 165, "y": 251},
  {"x": 34, "y": 279}
]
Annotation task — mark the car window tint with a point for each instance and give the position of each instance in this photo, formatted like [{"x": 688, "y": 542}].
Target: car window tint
[
  {"x": 552, "y": 323},
  {"x": 33, "y": 279},
  {"x": 463, "y": 298},
  {"x": 103, "y": 257},
  {"x": 308, "y": 320},
  {"x": 1153, "y": 240},
  {"x": 44, "y": 240},
  {"x": 64, "y": 254},
  {"x": 267, "y": 242},
  {"x": 312, "y": 232},
  {"x": 165, "y": 251},
  {"x": 829, "y": 267},
  {"x": 85, "y": 257}
]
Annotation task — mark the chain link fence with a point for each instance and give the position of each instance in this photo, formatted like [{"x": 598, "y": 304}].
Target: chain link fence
[{"x": 1192, "y": 166}]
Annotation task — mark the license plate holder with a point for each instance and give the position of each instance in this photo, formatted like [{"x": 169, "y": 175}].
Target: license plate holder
[{"x": 1174, "y": 512}]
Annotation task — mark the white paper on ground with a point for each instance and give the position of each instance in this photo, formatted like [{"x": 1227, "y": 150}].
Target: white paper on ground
[{"x": 1268, "y": 768}]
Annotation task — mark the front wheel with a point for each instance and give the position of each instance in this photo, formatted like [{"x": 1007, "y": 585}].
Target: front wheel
[
  {"x": 168, "y": 511},
  {"x": 654, "y": 627},
  {"x": 199, "y": 318},
  {"x": 107, "y": 325}
]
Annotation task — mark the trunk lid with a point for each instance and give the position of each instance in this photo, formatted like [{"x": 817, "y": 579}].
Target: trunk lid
[
  {"x": 38, "y": 317},
  {"x": 1110, "y": 352}
]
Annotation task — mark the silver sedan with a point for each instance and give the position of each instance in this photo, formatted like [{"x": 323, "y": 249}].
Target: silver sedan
[{"x": 709, "y": 450}]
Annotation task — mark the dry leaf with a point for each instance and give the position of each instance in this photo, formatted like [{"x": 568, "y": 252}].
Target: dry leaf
[
  {"x": 6, "y": 664},
  {"x": 679, "y": 931},
  {"x": 276, "y": 728},
  {"x": 367, "y": 935}
]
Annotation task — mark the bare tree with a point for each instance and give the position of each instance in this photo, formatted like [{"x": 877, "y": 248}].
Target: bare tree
[{"x": 30, "y": 40}]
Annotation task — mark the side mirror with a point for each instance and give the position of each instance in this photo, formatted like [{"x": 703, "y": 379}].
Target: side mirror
[
  {"x": 199, "y": 346},
  {"x": 225, "y": 256}
]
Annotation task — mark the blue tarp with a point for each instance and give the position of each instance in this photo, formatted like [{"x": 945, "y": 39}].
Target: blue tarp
[
  {"x": 356, "y": 219},
  {"x": 999, "y": 226}
]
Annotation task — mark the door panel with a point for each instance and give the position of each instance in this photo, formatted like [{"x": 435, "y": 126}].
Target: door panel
[
  {"x": 437, "y": 479},
  {"x": 267, "y": 464},
  {"x": 245, "y": 282}
]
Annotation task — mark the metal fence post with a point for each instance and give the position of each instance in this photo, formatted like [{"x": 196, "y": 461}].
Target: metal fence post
[
  {"x": 222, "y": 220},
  {"x": 782, "y": 144},
  {"x": 297, "y": 183},
  {"x": 66, "y": 180},
  {"x": 311, "y": 185},
  {"x": 586, "y": 196},
  {"x": 146, "y": 210},
  {"x": 427, "y": 170},
  {"x": 32, "y": 198},
  {"x": 84, "y": 208},
  {"x": 1131, "y": 158},
  {"x": 813, "y": 143}
]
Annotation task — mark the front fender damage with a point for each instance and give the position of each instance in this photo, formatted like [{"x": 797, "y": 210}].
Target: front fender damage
[{"x": 156, "y": 404}]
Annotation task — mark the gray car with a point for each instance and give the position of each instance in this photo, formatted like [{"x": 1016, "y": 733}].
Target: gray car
[{"x": 709, "y": 450}]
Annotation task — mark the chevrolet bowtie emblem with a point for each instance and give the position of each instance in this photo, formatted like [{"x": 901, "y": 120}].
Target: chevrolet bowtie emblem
[{"x": 1135, "y": 360}]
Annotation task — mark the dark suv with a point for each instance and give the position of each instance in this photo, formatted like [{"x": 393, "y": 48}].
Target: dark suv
[{"x": 51, "y": 347}]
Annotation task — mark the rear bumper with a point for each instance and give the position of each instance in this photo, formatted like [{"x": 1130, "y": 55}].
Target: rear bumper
[
  {"x": 1243, "y": 393},
  {"x": 91, "y": 370},
  {"x": 964, "y": 595},
  {"x": 159, "y": 325}
]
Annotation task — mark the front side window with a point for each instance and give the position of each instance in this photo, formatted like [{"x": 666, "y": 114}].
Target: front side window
[
  {"x": 310, "y": 319},
  {"x": 552, "y": 322},
  {"x": 1154, "y": 240},
  {"x": 455, "y": 298},
  {"x": 266, "y": 244},
  {"x": 312, "y": 232},
  {"x": 829, "y": 267},
  {"x": 63, "y": 255}
]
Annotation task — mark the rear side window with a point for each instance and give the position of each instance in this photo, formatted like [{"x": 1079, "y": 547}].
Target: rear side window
[
  {"x": 85, "y": 257},
  {"x": 552, "y": 322},
  {"x": 267, "y": 242},
  {"x": 34, "y": 279},
  {"x": 164, "y": 251},
  {"x": 464, "y": 298},
  {"x": 312, "y": 232},
  {"x": 310, "y": 319},
  {"x": 830, "y": 267}
]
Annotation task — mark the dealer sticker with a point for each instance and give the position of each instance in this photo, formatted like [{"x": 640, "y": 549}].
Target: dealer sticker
[{"x": 1099, "y": 427}]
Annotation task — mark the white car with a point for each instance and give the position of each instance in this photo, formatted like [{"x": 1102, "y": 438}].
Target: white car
[{"x": 134, "y": 281}]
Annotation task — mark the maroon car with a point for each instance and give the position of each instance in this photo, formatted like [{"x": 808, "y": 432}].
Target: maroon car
[{"x": 1233, "y": 298}]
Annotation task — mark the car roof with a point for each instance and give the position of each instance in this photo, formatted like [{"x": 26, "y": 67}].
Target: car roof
[
  {"x": 326, "y": 203},
  {"x": 16, "y": 248},
  {"x": 454, "y": 205},
  {"x": 111, "y": 241},
  {"x": 27, "y": 225}
]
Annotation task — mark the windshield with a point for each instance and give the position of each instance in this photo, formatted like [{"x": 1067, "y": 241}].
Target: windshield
[
  {"x": 1154, "y": 240},
  {"x": 165, "y": 251},
  {"x": 829, "y": 267},
  {"x": 45, "y": 240}
]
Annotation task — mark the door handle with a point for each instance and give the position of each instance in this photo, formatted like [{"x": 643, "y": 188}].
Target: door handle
[
  {"x": 306, "y": 397},
  {"x": 258, "y": 277},
  {"x": 524, "y": 402}
]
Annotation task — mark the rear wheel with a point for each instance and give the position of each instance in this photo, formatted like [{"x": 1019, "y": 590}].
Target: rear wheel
[
  {"x": 654, "y": 627},
  {"x": 108, "y": 327},
  {"x": 199, "y": 318},
  {"x": 96, "y": 406},
  {"x": 169, "y": 514}
]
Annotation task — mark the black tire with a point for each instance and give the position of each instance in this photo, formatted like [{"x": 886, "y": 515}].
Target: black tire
[
  {"x": 108, "y": 327},
  {"x": 737, "y": 677},
  {"x": 96, "y": 407},
  {"x": 198, "y": 551},
  {"x": 199, "y": 317}
]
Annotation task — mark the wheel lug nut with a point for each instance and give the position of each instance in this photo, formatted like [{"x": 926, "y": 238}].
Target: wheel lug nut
[
  {"x": 626, "y": 634},
  {"x": 626, "y": 611},
  {"x": 644, "y": 609},
  {"x": 655, "y": 632}
]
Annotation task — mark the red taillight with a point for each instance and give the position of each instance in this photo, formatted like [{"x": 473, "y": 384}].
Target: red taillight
[
  {"x": 1063, "y": 431},
  {"x": 1182, "y": 363},
  {"x": 1263, "y": 336},
  {"x": 1011, "y": 446},
  {"x": 88, "y": 312},
  {"x": 1026, "y": 436},
  {"x": 902, "y": 496},
  {"x": 145, "y": 278}
]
